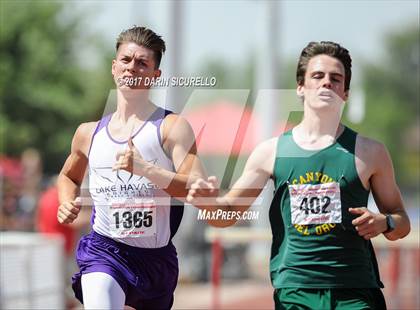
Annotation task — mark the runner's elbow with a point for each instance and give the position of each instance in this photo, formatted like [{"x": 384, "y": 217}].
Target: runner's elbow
[{"x": 221, "y": 223}]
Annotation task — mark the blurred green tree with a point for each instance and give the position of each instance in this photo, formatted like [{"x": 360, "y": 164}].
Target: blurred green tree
[
  {"x": 49, "y": 82},
  {"x": 391, "y": 86}
]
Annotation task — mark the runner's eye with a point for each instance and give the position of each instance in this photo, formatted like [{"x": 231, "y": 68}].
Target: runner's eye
[{"x": 143, "y": 63}]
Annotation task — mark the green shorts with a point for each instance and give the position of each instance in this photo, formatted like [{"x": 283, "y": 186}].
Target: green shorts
[{"x": 325, "y": 299}]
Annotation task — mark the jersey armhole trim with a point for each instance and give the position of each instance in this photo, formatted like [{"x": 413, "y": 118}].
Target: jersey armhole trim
[
  {"x": 158, "y": 127},
  {"x": 93, "y": 136}
]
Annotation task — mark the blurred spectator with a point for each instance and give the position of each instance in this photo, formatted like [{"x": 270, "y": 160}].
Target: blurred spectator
[
  {"x": 47, "y": 223},
  {"x": 11, "y": 173},
  {"x": 32, "y": 177},
  {"x": 20, "y": 183},
  {"x": 46, "y": 219}
]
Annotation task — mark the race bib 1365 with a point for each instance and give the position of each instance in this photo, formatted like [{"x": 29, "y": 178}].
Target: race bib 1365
[{"x": 133, "y": 219}]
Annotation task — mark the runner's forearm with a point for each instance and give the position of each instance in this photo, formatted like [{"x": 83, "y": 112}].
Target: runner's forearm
[
  {"x": 175, "y": 184},
  {"x": 67, "y": 189},
  {"x": 402, "y": 226}
]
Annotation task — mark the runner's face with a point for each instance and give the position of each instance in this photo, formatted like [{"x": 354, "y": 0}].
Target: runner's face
[
  {"x": 133, "y": 65},
  {"x": 324, "y": 82}
]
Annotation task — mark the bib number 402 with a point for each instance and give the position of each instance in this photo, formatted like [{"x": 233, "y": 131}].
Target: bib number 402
[
  {"x": 314, "y": 206},
  {"x": 136, "y": 219}
]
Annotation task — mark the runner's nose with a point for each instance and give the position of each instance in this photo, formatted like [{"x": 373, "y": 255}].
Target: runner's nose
[
  {"x": 326, "y": 83},
  {"x": 131, "y": 66}
]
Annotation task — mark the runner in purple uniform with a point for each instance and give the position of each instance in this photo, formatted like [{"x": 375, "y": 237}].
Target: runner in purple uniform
[{"x": 139, "y": 158}]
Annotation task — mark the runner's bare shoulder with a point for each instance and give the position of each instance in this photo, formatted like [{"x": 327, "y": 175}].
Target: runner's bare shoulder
[
  {"x": 174, "y": 121},
  {"x": 176, "y": 129},
  {"x": 369, "y": 149},
  {"x": 83, "y": 137},
  {"x": 263, "y": 156},
  {"x": 371, "y": 156}
]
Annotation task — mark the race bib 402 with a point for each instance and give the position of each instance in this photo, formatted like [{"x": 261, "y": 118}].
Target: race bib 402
[{"x": 315, "y": 204}]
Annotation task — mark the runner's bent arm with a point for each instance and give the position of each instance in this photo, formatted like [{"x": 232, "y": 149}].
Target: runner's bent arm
[
  {"x": 387, "y": 194},
  {"x": 72, "y": 173},
  {"x": 376, "y": 171},
  {"x": 258, "y": 169},
  {"x": 179, "y": 145}
]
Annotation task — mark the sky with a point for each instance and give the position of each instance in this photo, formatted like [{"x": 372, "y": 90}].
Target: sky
[{"x": 230, "y": 31}]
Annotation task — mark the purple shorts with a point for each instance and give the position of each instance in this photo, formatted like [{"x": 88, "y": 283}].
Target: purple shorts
[{"x": 147, "y": 276}]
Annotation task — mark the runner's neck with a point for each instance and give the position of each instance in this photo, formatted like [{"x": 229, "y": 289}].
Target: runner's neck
[
  {"x": 318, "y": 131},
  {"x": 133, "y": 103}
]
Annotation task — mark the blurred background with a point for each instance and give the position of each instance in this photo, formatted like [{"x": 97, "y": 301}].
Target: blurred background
[{"x": 55, "y": 62}]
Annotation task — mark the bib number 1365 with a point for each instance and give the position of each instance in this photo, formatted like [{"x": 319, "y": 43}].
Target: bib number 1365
[{"x": 133, "y": 219}]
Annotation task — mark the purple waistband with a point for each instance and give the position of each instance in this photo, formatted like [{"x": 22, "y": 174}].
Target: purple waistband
[{"x": 165, "y": 250}]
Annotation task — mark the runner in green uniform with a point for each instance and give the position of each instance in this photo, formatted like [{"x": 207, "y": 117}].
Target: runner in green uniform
[{"x": 321, "y": 255}]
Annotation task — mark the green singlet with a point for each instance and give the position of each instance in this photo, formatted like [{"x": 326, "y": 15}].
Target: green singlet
[{"x": 315, "y": 245}]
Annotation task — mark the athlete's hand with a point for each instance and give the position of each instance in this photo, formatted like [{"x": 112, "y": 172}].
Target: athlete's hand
[
  {"x": 368, "y": 224},
  {"x": 68, "y": 211},
  {"x": 203, "y": 192},
  {"x": 129, "y": 160}
]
